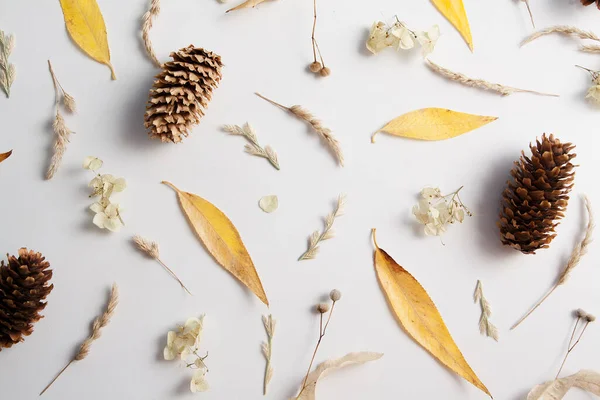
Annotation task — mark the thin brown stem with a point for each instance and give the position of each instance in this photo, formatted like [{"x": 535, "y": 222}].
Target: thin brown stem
[
  {"x": 529, "y": 10},
  {"x": 539, "y": 303},
  {"x": 314, "y": 41},
  {"x": 56, "y": 377},
  {"x": 273, "y": 102},
  {"x": 173, "y": 275},
  {"x": 570, "y": 349}
]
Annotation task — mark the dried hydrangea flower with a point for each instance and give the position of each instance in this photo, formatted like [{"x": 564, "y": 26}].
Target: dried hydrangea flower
[
  {"x": 107, "y": 214},
  {"x": 593, "y": 93},
  {"x": 436, "y": 211},
  {"x": 399, "y": 36}
]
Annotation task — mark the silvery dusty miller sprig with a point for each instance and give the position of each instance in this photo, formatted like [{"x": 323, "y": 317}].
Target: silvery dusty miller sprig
[
  {"x": 585, "y": 318},
  {"x": 579, "y": 251},
  {"x": 480, "y": 83},
  {"x": 485, "y": 326},
  {"x": 322, "y": 308},
  {"x": 151, "y": 249},
  {"x": 99, "y": 323},
  {"x": 267, "y": 349},
  {"x": 59, "y": 126},
  {"x": 8, "y": 71},
  {"x": 323, "y": 132},
  {"x": 317, "y": 237},
  {"x": 254, "y": 147}
]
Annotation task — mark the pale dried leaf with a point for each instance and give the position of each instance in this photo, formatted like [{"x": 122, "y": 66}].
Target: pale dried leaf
[
  {"x": 246, "y": 4},
  {"x": 269, "y": 203},
  {"x": 557, "y": 389},
  {"x": 325, "y": 368}
]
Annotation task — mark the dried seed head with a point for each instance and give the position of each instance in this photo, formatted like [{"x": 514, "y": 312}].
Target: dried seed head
[
  {"x": 315, "y": 67},
  {"x": 322, "y": 308},
  {"x": 335, "y": 295},
  {"x": 69, "y": 102},
  {"x": 590, "y": 318},
  {"x": 325, "y": 71},
  {"x": 580, "y": 313}
]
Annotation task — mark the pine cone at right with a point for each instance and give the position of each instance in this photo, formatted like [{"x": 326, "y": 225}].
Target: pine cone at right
[
  {"x": 536, "y": 198},
  {"x": 590, "y": 2}
]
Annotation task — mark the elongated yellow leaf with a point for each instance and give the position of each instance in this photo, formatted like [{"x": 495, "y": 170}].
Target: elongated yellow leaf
[
  {"x": 86, "y": 26},
  {"x": 418, "y": 315},
  {"x": 454, "y": 11},
  {"x": 246, "y": 4},
  {"x": 221, "y": 239},
  {"x": 4, "y": 156},
  {"x": 433, "y": 124}
]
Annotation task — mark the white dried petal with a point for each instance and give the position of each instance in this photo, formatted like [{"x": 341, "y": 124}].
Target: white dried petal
[
  {"x": 269, "y": 203},
  {"x": 92, "y": 163},
  {"x": 406, "y": 40},
  {"x": 378, "y": 38},
  {"x": 199, "y": 383},
  {"x": 430, "y": 193}
]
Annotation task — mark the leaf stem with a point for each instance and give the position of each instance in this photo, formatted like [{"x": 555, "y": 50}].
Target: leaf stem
[
  {"x": 374, "y": 236},
  {"x": 539, "y": 303},
  {"x": 173, "y": 275},
  {"x": 56, "y": 377},
  {"x": 272, "y": 102}
]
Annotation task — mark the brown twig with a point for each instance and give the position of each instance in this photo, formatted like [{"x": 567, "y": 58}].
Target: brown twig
[{"x": 580, "y": 315}]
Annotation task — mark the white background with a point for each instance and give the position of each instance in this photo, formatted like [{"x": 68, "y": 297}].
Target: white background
[{"x": 267, "y": 50}]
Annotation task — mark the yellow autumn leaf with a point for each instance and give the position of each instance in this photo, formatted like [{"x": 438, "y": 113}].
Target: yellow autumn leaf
[
  {"x": 433, "y": 124},
  {"x": 246, "y": 4},
  {"x": 86, "y": 26},
  {"x": 4, "y": 156},
  {"x": 418, "y": 315},
  {"x": 454, "y": 11},
  {"x": 221, "y": 239}
]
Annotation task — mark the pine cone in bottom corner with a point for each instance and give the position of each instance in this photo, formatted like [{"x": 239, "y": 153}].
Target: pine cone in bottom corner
[
  {"x": 537, "y": 197},
  {"x": 23, "y": 287},
  {"x": 590, "y": 2},
  {"x": 181, "y": 93}
]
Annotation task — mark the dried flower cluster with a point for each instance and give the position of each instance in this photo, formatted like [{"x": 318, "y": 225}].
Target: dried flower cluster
[
  {"x": 399, "y": 36},
  {"x": 317, "y": 67},
  {"x": 328, "y": 233},
  {"x": 593, "y": 93},
  {"x": 485, "y": 326},
  {"x": 59, "y": 126},
  {"x": 108, "y": 214},
  {"x": 267, "y": 349},
  {"x": 254, "y": 147},
  {"x": 151, "y": 249},
  {"x": 585, "y": 319},
  {"x": 322, "y": 308},
  {"x": 436, "y": 211},
  {"x": 184, "y": 343},
  {"x": 8, "y": 71}
]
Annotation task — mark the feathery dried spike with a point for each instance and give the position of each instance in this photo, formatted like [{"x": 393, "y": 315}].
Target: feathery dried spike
[
  {"x": 317, "y": 237},
  {"x": 562, "y": 29},
  {"x": 579, "y": 251},
  {"x": 586, "y": 319},
  {"x": 267, "y": 349},
  {"x": 323, "y": 132},
  {"x": 480, "y": 83},
  {"x": 8, "y": 71},
  {"x": 590, "y": 48},
  {"x": 148, "y": 20},
  {"x": 486, "y": 328},
  {"x": 254, "y": 147},
  {"x": 151, "y": 249},
  {"x": 59, "y": 126},
  {"x": 99, "y": 323}
]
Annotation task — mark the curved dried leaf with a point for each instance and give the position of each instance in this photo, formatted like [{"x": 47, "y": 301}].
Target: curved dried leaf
[
  {"x": 329, "y": 366},
  {"x": 221, "y": 239},
  {"x": 418, "y": 315},
  {"x": 4, "y": 156},
  {"x": 557, "y": 389},
  {"x": 454, "y": 11},
  {"x": 246, "y": 4},
  {"x": 86, "y": 26},
  {"x": 434, "y": 124}
]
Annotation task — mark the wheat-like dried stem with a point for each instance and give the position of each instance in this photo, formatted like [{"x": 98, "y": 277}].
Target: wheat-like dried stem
[
  {"x": 148, "y": 20},
  {"x": 99, "y": 323},
  {"x": 8, "y": 71},
  {"x": 60, "y": 144},
  {"x": 317, "y": 237},
  {"x": 590, "y": 48},
  {"x": 562, "y": 29},
  {"x": 480, "y": 83},
  {"x": 267, "y": 349},
  {"x": 579, "y": 251},
  {"x": 254, "y": 147},
  {"x": 485, "y": 326},
  {"x": 151, "y": 249},
  {"x": 323, "y": 132}
]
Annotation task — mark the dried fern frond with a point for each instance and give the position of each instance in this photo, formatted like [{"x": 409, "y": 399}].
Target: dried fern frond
[
  {"x": 485, "y": 326},
  {"x": 254, "y": 147},
  {"x": 324, "y": 133},
  {"x": 563, "y": 30},
  {"x": 99, "y": 323},
  {"x": 8, "y": 71},
  {"x": 480, "y": 83},
  {"x": 317, "y": 237}
]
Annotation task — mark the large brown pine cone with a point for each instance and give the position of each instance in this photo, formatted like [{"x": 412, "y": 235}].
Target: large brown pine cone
[
  {"x": 590, "y": 2},
  {"x": 23, "y": 287},
  {"x": 537, "y": 196},
  {"x": 181, "y": 93}
]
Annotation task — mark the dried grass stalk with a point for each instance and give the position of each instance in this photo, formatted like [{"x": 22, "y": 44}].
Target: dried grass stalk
[
  {"x": 323, "y": 132},
  {"x": 254, "y": 148},
  {"x": 8, "y": 71},
  {"x": 562, "y": 29},
  {"x": 317, "y": 237},
  {"x": 99, "y": 323},
  {"x": 579, "y": 251},
  {"x": 151, "y": 249},
  {"x": 485, "y": 325},
  {"x": 480, "y": 83},
  {"x": 590, "y": 48},
  {"x": 267, "y": 349},
  {"x": 148, "y": 20},
  {"x": 529, "y": 11}
]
